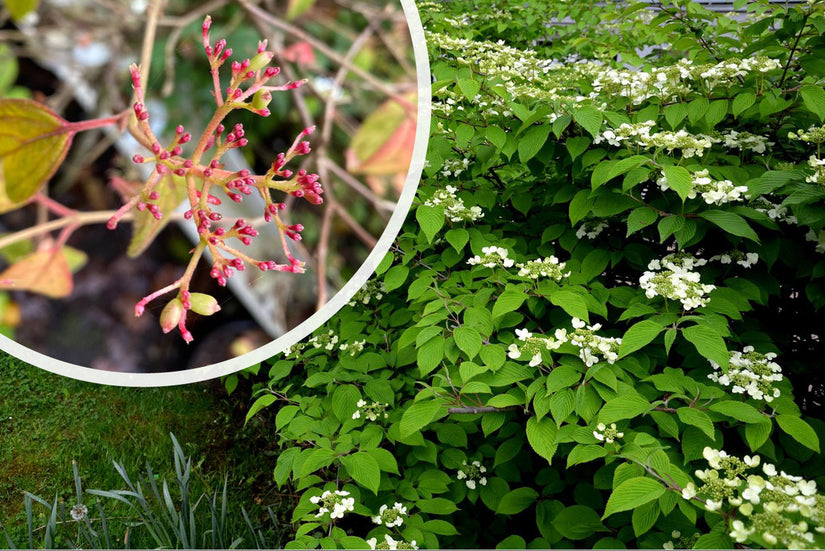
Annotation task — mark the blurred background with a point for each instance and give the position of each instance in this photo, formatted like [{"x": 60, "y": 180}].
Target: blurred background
[{"x": 74, "y": 55}]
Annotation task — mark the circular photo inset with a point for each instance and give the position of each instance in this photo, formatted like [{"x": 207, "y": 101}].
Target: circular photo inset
[{"x": 186, "y": 190}]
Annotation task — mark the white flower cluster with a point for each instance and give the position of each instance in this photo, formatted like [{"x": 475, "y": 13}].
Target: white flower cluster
[
  {"x": 373, "y": 289},
  {"x": 591, "y": 229},
  {"x": 390, "y": 543},
  {"x": 373, "y": 411},
  {"x": 454, "y": 208},
  {"x": 692, "y": 145},
  {"x": 818, "y": 176},
  {"x": 533, "y": 346},
  {"x": 814, "y": 134},
  {"x": 633, "y": 133},
  {"x": 779, "y": 213},
  {"x": 353, "y": 348},
  {"x": 673, "y": 278},
  {"x": 818, "y": 238},
  {"x": 335, "y": 503},
  {"x": 327, "y": 342},
  {"x": 670, "y": 82},
  {"x": 549, "y": 267},
  {"x": 714, "y": 192},
  {"x": 592, "y": 345},
  {"x": 493, "y": 256},
  {"x": 746, "y": 260},
  {"x": 752, "y": 373},
  {"x": 454, "y": 167},
  {"x": 746, "y": 141},
  {"x": 777, "y": 508},
  {"x": 682, "y": 542},
  {"x": 391, "y": 516},
  {"x": 603, "y": 433},
  {"x": 472, "y": 474}
]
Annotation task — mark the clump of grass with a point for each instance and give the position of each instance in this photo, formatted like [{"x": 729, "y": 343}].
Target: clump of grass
[{"x": 149, "y": 512}]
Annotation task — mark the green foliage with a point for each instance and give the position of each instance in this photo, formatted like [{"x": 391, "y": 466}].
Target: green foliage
[{"x": 625, "y": 300}]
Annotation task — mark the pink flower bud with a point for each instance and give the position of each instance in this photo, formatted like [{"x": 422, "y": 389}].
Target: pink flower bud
[
  {"x": 188, "y": 164},
  {"x": 179, "y": 129},
  {"x": 261, "y": 45},
  {"x": 226, "y": 54},
  {"x": 163, "y": 155},
  {"x": 204, "y": 304},
  {"x": 185, "y": 137},
  {"x": 180, "y": 172},
  {"x": 271, "y": 72},
  {"x": 176, "y": 150},
  {"x": 171, "y": 315},
  {"x": 156, "y": 148},
  {"x": 154, "y": 196},
  {"x": 137, "y": 159},
  {"x": 214, "y": 164}
]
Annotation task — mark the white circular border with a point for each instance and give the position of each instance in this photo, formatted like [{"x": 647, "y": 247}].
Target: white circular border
[{"x": 298, "y": 333}]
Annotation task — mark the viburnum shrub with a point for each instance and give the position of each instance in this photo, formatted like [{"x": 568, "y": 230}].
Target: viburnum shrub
[
  {"x": 598, "y": 327},
  {"x": 36, "y": 140}
]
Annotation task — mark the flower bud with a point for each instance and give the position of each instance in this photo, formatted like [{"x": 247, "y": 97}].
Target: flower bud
[
  {"x": 171, "y": 315},
  {"x": 204, "y": 304},
  {"x": 260, "y": 61},
  {"x": 261, "y": 99}
]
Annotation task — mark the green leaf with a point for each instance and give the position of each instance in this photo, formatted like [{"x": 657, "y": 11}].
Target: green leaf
[
  {"x": 584, "y": 453},
  {"x": 639, "y": 218},
  {"x": 740, "y": 411},
  {"x": 264, "y": 401},
  {"x": 468, "y": 341},
  {"x": 496, "y": 136},
  {"x": 363, "y": 468},
  {"x": 532, "y": 141},
  {"x": 33, "y": 144},
  {"x": 645, "y": 517},
  {"x": 633, "y": 493},
  {"x": 440, "y": 527},
  {"x": 698, "y": 419},
  {"x": 577, "y": 145},
  {"x": 386, "y": 461},
  {"x": 814, "y": 99},
  {"x": 731, "y": 223},
  {"x": 469, "y": 88},
  {"x": 429, "y": 355},
  {"x": 709, "y": 344},
  {"x": 344, "y": 400},
  {"x": 509, "y": 301},
  {"x": 625, "y": 406},
  {"x": 436, "y": 506},
  {"x": 742, "y": 101},
  {"x": 757, "y": 434},
  {"x": 395, "y": 277},
  {"x": 799, "y": 430},
  {"x": 431, "y": 220},
  {"x": 679, "y": 180},
  {"x": 541, "y": 434},
  {"x": 457, "y": 237},
  {"x": 638, "y": 336},
  {"x": 317, "y": 459},
  {"x": 516, "y": 501},
  {"x": 418, "y": 416},
  {"x": 562, "y": 403},
  {"x": 588, "y": 118},
  {"x": 572, "y": 303},
  {"x": 578, "y": 522}
]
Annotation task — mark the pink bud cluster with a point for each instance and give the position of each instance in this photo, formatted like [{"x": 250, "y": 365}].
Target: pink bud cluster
[{"x": 248, "y": 89}]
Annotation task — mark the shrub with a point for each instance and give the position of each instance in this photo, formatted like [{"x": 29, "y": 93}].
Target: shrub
[{"x": 588, "y": 333}]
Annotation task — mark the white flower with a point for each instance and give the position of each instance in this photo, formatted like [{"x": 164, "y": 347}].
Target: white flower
[
  {"x": 689, "y": 491},
  {"x": 79, "y": 511}
]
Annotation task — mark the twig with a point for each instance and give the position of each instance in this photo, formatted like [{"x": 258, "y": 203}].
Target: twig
[{"x": 482, "y": 409}]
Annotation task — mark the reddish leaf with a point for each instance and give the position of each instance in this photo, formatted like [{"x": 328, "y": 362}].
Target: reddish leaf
[
  {"x": 33, "y": 143},
  {"x": 384, "y": 142},
  {"x": 45, "y": 271}
]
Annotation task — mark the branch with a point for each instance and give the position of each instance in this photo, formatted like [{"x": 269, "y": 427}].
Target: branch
[{"x": 482, "y": 409}]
